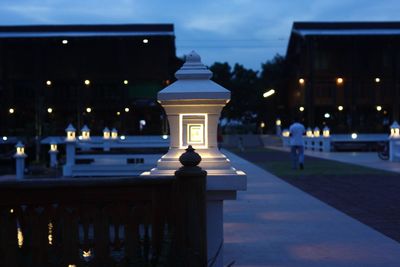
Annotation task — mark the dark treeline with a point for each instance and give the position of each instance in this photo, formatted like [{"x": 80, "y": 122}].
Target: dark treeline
[{"x": 247, "y": 87}]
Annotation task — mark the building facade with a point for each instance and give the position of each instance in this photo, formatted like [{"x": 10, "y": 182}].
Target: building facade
[
  {"x": 345, "y": 75},
  {"x": 99, "y": 75}
]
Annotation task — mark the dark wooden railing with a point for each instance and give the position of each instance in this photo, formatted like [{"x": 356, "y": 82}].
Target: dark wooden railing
[{"x": 92, "y": 222}]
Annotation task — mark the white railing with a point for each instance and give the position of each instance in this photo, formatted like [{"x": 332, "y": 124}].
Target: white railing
[{"x": 97, "y": 156}]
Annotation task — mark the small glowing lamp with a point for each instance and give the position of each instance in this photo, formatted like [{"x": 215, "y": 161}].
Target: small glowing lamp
[
  {"x": 53, "y": 146},
  {"x": 285, "y": 133},
  {"x": 114, "y": 133},
  {"x": 48, "y": 82},
  {"x": 339, "y": 80},
  {"x": 126, "y": 82},
  {"x": 49, "y": 110},
  {"x": 301, "y": 109},
  {"x": 87, "y": 82},
  {"x": 301, "y": 81},
  {"x": 395, "y": 130},
  {"x": 126, "y": 109},
  {"x": 262, "y": 125},
  {"x": 354, "y": 136},
  {"x": 88, "y": 109},
  {"x": 11, "y": 111},
  {"x": 309, "y": 132},
  {"x": 165, "y": 137},
  {"x": 106, "y": 133},
  {"x": 278, "y": 122},
  {"x": 326, "y": 132},
  {"x": 327, "y": 115},
  {"x": 377, "y": 80},
  {"x": 378, "y": 108},
  {"x": 85, "y": 132},
  {"x": 316, "y": 132},
  {"x": 118, "y": 113},
  {"x": 5, "y": 138},
  {"x": 64, "y": 41},
  {"x": 145, "y": 41},
  {"x": 70, "y": 133},
  {"x": 20, "y": 149},
  {"x": 340, "y": 108},
  {"x": 123, "y": 137}
]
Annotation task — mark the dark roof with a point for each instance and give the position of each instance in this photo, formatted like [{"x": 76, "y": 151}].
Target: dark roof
[
  {"x": 39, "y": 31},
  {"x": 346, "y": 28},
  {"x": 302, "y": 30}
]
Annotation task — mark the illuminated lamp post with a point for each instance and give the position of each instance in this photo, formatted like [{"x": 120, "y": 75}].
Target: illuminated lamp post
[
  {"x": 85, "y": 133},
  {"x": 193, "y": 106},
  {"x": 393, "y": 139},
  {"x": 278, "y": 124},
  {"x": 114, "y": 134},
  {"x": 53, "y": 154},
  {"x": 106, "y": 139},
  {"x": 19, "y": 160},
  {"x": 326, "y": 141},
  {"x": 316, "y": 132},
  {"x": 70, "y": 143}
]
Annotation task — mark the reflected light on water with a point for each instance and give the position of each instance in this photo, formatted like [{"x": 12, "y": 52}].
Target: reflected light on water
[
  {"x": 50, "y": 236},
  {"x": 20, "y": 237}
]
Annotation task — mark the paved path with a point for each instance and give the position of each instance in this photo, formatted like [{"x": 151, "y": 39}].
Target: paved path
[{"x": 275, "y": 224}]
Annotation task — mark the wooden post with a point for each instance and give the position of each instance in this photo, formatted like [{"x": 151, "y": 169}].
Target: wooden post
[{"x": 191, "y": 240}]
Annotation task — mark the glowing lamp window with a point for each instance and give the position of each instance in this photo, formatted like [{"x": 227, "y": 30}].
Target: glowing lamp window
[
  {"x": 326, "y": 132},
  {"x": 193, "y": 130},
  {"x": 20, "y": 150},
  {"x": 106, "y": 135},
  {"x": 85, "y": 135},
  {"x": 70, "y": 135},
  {"x": 53, "y": 147},
  {"x": 114, "y": 134}
]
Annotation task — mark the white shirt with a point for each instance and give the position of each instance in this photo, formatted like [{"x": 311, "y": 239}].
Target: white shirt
[{"x": 296, "y": 134}]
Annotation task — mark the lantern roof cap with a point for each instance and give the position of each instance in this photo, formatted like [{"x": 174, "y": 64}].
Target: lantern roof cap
[
  {"x": 85, "y": 128},
  {"x": 193, "y": 83},
  {"x": 19, "y": 144},
  {"x": 106, "y": 129},
  {"x": 70, "y": 128},
  {"x": 114, "y": 130},
  {"x": 395, "y": 124}
]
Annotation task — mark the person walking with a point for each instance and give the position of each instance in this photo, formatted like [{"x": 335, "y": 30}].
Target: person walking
[{"x": 297, "y": 131}]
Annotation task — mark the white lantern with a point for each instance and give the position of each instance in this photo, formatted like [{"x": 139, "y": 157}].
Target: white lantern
[
  {"x": 106, "y": 133},
  {"x": 70, "y": 133},
  {"x": 309, "y": 132},
  {"x": 53, "y": 146},
  {"x": 20, "y": 149},
  {"x": 114, "y": 133},
  {"x": 316, "y": 132},
  {"x": 395, "y": 130},
  {"x": 278, "y": 122},
  {"x": 326, "y": 132},
  {"x": 85, "y": 132}
]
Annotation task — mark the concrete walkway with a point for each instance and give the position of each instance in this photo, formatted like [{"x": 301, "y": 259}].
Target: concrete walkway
[{"x": 275, "y": 224}]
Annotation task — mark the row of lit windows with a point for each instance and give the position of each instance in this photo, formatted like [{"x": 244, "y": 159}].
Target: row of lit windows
[
  {"x": 88, "y": 110},
  {"x": 86, "y": 82},
  {"x": 65, "y": 41},
  {"x": 339, "y": 80}
]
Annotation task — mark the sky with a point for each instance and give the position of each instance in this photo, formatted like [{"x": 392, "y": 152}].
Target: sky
[{"x": 248, "y": 32}]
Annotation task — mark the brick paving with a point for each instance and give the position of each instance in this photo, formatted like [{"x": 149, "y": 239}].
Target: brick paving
[{"x": 370, "y": 196}]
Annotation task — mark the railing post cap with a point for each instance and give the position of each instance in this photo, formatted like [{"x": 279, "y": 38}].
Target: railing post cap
[{"x": 190, "y": 158}]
